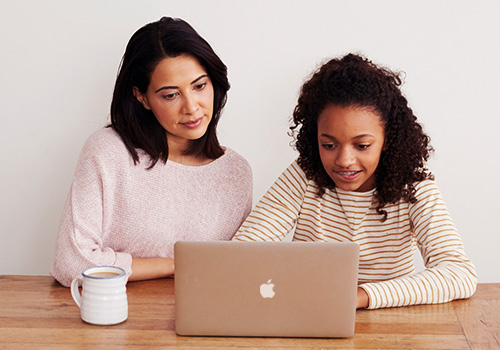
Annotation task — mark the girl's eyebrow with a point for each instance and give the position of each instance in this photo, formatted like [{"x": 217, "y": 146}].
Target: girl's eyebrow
[
  {"x": 327, "y": 136},
  {"x": 176, "y": 87},
  {"x": 354, "y": 138},
  {"x": 362, "y": 135}
]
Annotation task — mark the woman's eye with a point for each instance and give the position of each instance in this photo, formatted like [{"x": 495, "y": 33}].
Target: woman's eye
[
  {"x": 362, "y": 147},
  {"x": 169, "y": 96},
  {"x": 200, "y": 86}
]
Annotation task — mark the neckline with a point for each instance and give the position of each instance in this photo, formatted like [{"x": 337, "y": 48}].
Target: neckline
[
  {"x": 354, "y": 193},
  {"x": 174, "y": 164}
]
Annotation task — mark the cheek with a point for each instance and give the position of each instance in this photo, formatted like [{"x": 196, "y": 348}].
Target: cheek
[
  {"x": 327, "y": 158},
  {"x": 164, "y": 107},
  {"x": 164, "y": 115},
  {"x": 374, "y": 160},
  {"x": 208, "y": 101}
]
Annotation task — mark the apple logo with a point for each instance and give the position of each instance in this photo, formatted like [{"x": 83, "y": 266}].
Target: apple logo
[{"x": 266, "y": 290}]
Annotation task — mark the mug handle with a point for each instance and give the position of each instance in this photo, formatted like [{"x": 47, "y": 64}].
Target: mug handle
[{"x": 75, "y": 293}]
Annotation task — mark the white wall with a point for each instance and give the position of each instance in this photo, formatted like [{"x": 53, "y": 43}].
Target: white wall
[{"x": 59, "y": 59}]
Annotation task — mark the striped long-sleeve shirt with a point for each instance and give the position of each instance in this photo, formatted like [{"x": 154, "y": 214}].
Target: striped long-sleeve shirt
[{"x": 386, "y": 265}]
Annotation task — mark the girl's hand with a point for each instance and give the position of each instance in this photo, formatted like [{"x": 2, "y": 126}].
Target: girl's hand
[{"x": 363, "y": 300}]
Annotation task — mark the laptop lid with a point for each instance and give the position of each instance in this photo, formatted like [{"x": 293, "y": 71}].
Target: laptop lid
[{"x": 266, "y": 289}]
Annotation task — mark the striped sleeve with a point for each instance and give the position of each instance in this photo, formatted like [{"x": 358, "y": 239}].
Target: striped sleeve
[
  {"x": 449, "y": 274},
  {"x": 277, "y": 212}
]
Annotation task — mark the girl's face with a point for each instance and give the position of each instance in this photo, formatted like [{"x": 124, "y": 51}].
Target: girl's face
[
  {"x": 181, "y": 96},
  {"x": 350, "y": 141}
]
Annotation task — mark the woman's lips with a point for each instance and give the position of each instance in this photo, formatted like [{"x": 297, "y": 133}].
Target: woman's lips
[{"x": 192, "y": 123}]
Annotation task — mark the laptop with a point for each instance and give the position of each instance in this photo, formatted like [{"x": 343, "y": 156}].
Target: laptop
[{"x": 266, "y": 289}]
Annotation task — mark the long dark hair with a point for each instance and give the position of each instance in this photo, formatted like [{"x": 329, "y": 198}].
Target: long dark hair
[
  {"x": 136, "y": 125},
  {"x": 353, "y": 80}
]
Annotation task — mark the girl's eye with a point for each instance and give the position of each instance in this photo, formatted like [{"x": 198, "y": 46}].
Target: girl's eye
[
  {"x": 328, "y": 146},
  {"x": 362, "y": 147}
]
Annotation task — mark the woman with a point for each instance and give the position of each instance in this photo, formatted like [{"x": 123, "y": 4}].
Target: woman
[
  {"x": 361, "y": 177},
  {"x": 157, "y": 174}
]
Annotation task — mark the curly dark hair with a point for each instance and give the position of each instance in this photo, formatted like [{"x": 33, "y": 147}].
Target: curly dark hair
[{"x": 353, "y": 80}]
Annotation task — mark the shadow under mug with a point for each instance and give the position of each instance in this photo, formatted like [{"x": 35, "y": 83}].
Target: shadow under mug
[{"x": 104, "y": 295}]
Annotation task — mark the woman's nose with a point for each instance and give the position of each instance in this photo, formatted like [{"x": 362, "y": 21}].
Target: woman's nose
[{"x": 189, "y": 105}]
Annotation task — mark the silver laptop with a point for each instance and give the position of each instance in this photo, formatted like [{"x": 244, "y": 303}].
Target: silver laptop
[{"x": 266, "y": 289}]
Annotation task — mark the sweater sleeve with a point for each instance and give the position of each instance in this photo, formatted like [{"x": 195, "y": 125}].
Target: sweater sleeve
[
  {"x": 277, "y": 212},
  {"x": 80, "y": 239},
  {"x": 449, "y": 274}
]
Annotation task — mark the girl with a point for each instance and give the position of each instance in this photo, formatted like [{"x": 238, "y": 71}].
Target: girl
[
  {"x": 361, "y": 176},
  {"x": 128, "y": 205}
]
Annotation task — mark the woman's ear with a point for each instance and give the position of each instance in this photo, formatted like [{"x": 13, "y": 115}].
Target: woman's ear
[{"x": 141, "y": 98}]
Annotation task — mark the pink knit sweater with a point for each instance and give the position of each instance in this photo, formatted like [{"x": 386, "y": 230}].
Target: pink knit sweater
[{"x": 117, "y": 210}]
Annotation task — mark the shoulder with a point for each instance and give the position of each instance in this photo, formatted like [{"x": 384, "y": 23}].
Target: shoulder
[
  {"x": 293, "y": 180},
  {"x": 106, "y": 138},
  {"x": 294, "y": 173},
  {"x": 104, "y": 143},
  {"x": 294, "y": 167},
  {"x": 234, "y": 163},
  {"x": 231, "y": 170},
  {"x": 104, "y": 149},
  {"x": 427, "y": 197},
  {"x": 425, "y": 189}
]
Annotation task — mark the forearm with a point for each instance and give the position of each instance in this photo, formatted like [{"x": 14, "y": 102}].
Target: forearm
[
  {"x": 432, "y": 286},
  {"x": 362, "y": 299},
  {"x": 151, "y": 268}
]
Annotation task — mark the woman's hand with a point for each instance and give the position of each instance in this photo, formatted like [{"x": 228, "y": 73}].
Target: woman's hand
[
  {"x": 151, "y": 268},
  {"x": 362, "y": 300}
]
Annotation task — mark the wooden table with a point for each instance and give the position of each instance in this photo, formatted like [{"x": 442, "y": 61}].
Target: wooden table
[{"x": 38, "y": 313}]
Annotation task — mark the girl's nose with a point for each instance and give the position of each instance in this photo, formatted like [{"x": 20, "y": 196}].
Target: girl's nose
[{"x": 345, "y": 158}]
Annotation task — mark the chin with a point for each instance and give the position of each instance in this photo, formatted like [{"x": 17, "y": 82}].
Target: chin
[
  {"x": 362, "y": 185},
  {"x": 348, "y": 188},
  {"x": 196, "y": 135}
]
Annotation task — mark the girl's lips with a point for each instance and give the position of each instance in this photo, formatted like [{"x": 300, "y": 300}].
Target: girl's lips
[
  {"x": 348, "y": 175},
  {"x": 192, "y": 123}
]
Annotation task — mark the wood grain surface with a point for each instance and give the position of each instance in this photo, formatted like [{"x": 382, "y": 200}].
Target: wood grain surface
[{"x": 38, "y": 313}]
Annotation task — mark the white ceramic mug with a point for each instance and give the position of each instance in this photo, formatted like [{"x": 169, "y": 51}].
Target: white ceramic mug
[{"x": 104, "y": 295}]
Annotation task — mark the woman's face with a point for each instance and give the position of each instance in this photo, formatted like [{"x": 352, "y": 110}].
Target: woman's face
[
  {"x": 181, "y": 96},
  {"x": 350, "y": 141}
]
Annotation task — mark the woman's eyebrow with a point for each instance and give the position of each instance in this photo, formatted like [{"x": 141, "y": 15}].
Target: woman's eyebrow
[
  {"x": 166, "y": 88},
  {"x": 200, "y": 77},
  {"x": 176, "y": 87}
]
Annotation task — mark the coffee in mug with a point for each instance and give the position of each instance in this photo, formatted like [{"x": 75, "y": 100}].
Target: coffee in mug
[
  {"x": 104, "y": 299},
  {"x": 104, "y": 274}
]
